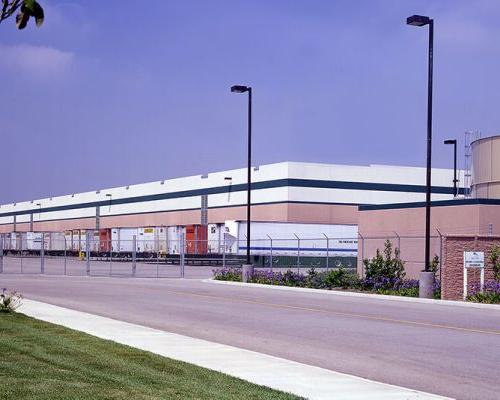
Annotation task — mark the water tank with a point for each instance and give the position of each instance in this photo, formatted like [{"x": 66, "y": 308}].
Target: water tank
[{"x": 486, "y": 168}]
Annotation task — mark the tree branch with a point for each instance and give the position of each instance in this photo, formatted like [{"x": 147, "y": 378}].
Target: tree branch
[{"x": 9, "y": 8}]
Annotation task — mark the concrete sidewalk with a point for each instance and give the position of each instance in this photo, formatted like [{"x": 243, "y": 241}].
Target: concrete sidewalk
[{"x": 277, "y": 373}]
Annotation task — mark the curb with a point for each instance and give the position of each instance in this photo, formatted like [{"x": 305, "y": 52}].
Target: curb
[
  {"x": 303, "y": 380},
  {"x": 449, "y": 303}
]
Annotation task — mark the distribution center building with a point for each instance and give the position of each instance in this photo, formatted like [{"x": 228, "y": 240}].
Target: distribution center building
[{"x": 282, "y": 192}]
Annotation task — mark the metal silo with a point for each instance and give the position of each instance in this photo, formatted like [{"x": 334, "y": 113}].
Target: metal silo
[{"x": 486, "y": 168}]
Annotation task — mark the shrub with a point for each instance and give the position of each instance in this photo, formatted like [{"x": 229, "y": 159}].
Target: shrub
[
  {"x": 10, "y": 301},
  {"x": 437, "y": 289},
  {"x": 266, "y": 277},
  {"x": 495, "y": 261},
  {"x": 290, "y": 278},
  {"x": 386, "y": 267},
  {"x": 393, "y": 284},
  {"x": 395, "y": 287},
  {"x": 490, "y": 294},
  {"x": 434, "y": 265},
  {"x": 227, "y": 274},
  {"x": 341, "y": 278}
]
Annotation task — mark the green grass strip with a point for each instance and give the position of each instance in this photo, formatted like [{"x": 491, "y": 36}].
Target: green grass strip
[{"x": 39, "y": 360}]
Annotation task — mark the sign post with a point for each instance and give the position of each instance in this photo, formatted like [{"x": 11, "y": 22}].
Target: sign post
[{"x": 473, "y": 260}]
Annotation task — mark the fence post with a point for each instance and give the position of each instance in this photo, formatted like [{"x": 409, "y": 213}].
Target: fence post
[
  {"x": 20, "y": 238},
  {"x": 399, "y": 241},
  {"x": 182, "y": 255},
  {"x": 157, "y": 260},
  {"x": 110, "y": 243},
  {"x": 87, "y": 253},
  {"x": 327, "y": 250},
  {"x": 271, "y": 259},
  {"x": 42, "y": 254},
  {"x": 362, "y": 254},
  {"x": 440, "y": 254},
  {"x": 1, "y": 253},
  {"x": 134, "y": 255},
  {"x": 224, "y": 250},
  {"x": 65, "y": 246},
  {"x": 298, "y": 253}
]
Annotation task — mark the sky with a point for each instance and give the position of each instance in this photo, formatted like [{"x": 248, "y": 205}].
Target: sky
[{"x": 111, "y": 93}]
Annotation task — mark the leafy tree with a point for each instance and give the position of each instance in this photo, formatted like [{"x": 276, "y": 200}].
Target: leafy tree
[{"x": 26, "y": 8}]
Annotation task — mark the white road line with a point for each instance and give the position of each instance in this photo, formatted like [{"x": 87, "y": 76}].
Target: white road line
[{"x": 277, "y": 373}]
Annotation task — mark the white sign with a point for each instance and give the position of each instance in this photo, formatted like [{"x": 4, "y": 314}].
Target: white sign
[{"x": 474, "y": 259}]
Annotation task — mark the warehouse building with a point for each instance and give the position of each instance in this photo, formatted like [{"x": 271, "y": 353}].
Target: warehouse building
[{"x": 282, "y": 192}]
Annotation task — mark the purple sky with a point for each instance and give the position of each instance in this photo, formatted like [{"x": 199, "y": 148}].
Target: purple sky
[{"x": 107, "y": 94}]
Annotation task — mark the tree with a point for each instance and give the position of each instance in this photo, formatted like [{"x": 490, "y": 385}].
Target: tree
[{"x": 27, "y": 9}]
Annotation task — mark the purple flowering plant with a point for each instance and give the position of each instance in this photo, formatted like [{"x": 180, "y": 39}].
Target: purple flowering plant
[{"x": 490, "y": 293}]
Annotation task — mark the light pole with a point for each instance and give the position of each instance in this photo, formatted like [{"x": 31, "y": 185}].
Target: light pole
[
  {"x": 455, "y": 180},
  {"x": 110, "y": 198},
  {"x": 426, "y": 277},
  {"x": 230, "y": 180},
  {"x": 248, "y": 268}
]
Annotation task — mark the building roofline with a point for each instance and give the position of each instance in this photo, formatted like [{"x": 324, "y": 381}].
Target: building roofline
[{"x": 421, "y": 204}]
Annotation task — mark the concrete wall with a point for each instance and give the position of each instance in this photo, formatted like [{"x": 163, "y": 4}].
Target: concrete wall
[{"x": 453, "y": 263}]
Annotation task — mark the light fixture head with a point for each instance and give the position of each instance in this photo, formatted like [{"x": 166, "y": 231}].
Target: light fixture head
[
  {"x": 239, "y": 89},
  {"x": 450, "y": 141},
  {"x": 418, "y": 20}
]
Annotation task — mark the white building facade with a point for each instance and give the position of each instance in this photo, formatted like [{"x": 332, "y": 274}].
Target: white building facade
[{"x": 282, "y": 192}]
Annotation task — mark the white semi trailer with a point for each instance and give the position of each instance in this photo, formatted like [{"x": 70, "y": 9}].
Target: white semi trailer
[{"x": 283, "y": 238}]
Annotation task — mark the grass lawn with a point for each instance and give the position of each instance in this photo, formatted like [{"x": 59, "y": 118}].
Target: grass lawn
[{"x": 39, "y": 360}]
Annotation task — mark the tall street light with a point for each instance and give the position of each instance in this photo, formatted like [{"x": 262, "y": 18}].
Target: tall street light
[
  {"x": 426, "y": 279},
  {"x": 455, "y": 180},
  {"x": 248, "y": 268},
  {"x": 110, "y": 199}
]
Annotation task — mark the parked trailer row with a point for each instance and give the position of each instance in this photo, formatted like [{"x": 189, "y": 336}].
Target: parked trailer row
[
  {"x": 149, "y": 241},
  {"x": 269, "y": 239}
]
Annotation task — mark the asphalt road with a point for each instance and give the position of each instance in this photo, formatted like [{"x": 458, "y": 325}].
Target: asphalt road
[{"x": 452, "y": 351}]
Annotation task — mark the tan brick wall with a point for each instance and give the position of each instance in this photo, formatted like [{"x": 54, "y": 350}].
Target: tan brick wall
[{"x": 453, "y": 263}]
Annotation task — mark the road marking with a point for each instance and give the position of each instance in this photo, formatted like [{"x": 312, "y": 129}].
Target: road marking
[{"x": 344, "y": 314}]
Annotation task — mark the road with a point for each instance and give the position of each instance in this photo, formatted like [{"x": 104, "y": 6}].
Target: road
[{"x": 452, "y": 351}]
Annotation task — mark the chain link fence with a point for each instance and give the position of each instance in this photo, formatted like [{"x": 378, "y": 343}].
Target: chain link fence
[
  {"x": 411, "y": 250},
  {"x": 66, "y": 253}
]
